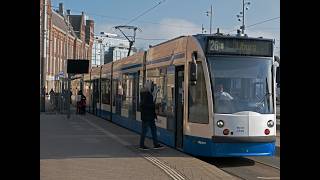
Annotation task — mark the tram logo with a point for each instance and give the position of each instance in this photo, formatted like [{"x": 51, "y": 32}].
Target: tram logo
[
  {"x": 201, "y": 142},
  {"x": 240, "y": 129}
]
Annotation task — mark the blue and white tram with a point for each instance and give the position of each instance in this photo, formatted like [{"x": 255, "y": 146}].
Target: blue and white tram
[{"x": 215, "y": 94}]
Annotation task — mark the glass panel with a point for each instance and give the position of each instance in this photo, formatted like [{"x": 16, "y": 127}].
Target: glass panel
[
  {"x": 139, "y": 89},
  {"x": 86, "y": 92},
  {"x": 126, "y": 89},
  {"x": 158, "y": 76},
  {"x": 105, "y": 88},
  {"x": 164, "y": 79},
  {"x": 198, "y": 102},
  {"x": 170, "y": 98},
  {"x": 118, "y": 92},
  {"x": 242, "y": 84}
]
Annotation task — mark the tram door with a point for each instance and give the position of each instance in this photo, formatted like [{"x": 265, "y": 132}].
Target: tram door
[{"x": 179, "y": 95}]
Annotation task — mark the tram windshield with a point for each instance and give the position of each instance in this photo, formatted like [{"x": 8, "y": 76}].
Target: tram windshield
[{"x": 241, "y": 84}]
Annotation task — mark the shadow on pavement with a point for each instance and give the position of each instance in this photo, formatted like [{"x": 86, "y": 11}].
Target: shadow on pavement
[{"x": 223, "y": 162}]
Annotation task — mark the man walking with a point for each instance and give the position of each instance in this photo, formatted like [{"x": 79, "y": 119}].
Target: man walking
[{"x": 148, "y": 116}]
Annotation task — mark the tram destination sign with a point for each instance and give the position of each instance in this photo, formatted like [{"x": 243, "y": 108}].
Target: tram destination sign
[{"x": 235, "y": 46}]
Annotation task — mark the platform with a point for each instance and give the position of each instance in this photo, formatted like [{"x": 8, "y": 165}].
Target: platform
[{"x": 90, "y": 148}]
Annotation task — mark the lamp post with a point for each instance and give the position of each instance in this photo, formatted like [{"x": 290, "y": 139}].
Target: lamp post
[
  {"x": 210, "y": 13},
  {"x": 68, "y": 76},
  {"x": 202, "y": 29},
  {"x": 245, "y": 5},
  {"x": 43, "y": 56}
]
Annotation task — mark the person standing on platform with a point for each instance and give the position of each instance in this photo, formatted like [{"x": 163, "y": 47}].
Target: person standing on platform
[{"x": 148, "y": 116}]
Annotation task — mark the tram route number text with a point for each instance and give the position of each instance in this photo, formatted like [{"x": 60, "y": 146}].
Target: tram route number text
[{"x": 216, "y": 45}]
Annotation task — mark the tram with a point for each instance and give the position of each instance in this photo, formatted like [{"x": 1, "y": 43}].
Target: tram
[{"x": 215, "y": 94}]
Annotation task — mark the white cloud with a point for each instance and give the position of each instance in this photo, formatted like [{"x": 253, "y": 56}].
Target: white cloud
[
  {"x": 104, "y": 28},
  {"x": 167, "y": 29}
]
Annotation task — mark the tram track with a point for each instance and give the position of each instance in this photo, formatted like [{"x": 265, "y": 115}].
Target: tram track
[{"x": 246, "y": 167}]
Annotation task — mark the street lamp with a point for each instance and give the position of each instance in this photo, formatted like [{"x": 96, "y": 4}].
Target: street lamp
[
  {"x": 245, "y": 5},
  {"x": 209, "y": 13},
  {"x": 202, "y": 29}
]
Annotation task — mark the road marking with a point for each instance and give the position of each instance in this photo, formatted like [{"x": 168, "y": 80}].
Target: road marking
[
  {"x": 173, "y": 174},
  {"x": 268, "y": 177},
  {"x": 168, "y": 170}
]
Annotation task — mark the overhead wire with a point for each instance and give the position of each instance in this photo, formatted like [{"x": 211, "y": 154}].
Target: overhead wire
[
  {"x": 145, "y": 12},
  {"x": 258, "y": 23}
]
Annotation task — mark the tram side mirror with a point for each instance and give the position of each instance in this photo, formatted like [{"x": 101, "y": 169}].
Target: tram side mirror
[
  {"x": 193, "y": 69},
  {"x": 277, "y": 67},
  {"x": 277, "y": 61}
]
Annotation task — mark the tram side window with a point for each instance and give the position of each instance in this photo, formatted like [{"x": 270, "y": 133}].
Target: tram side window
[
  {"x": 86, "y": 91},
  {"x": 126, "y": 93},
  {"x": 140, "y": 85},
  {"x": 198, "y": 102},
  {"x": 170, "y": 98},
  {"x": 158, "y": 76},
  {"x": 105, "y": 88},
  {"x": 113, "y": 86},
  {"x": 118, "y": 92},
  {"x": 163, "y": 79},
  {"x": 96, "y": 90}
]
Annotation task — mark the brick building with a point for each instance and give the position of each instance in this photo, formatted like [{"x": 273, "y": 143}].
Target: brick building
[{"x": 69, "y": 37}]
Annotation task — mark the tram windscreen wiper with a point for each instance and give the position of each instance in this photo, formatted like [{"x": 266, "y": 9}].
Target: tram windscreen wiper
[{"x": 263, "y": 99}]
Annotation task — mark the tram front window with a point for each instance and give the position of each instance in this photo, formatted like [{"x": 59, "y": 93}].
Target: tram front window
[{"x": 241, "y": 84}]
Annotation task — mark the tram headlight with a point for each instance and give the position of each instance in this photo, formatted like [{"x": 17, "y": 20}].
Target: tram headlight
[
  {"x": 220, "y": 123},
  {"x": 270, "y": 123}
]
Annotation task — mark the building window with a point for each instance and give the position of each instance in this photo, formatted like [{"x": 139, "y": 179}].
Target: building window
[{"x": 54, "y": 45}]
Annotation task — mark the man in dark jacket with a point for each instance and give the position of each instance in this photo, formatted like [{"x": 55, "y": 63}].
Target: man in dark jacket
[{"x": 148, "y": 116}]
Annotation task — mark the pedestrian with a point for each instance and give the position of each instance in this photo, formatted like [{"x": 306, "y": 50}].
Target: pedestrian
[
  {"x": 83, "y": 104},
  {"x": 148, "y": 116},
  {"x": 78, "y": 98},
  {"x": 51, "y": 93},
  {"x": 70, "y": 96}
]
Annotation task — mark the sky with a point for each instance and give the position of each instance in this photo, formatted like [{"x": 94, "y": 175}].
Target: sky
[{"x": 173, "y": 18}]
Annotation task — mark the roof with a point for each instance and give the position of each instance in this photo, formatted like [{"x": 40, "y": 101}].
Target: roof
[
  {"x": 59, "y": 21},
  {"x": 75, "y": 21}
]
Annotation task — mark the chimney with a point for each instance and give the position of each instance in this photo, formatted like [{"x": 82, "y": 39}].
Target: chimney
[
  {"x": 68, "y": 11},
  {"x": 61, "y": 9}
]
